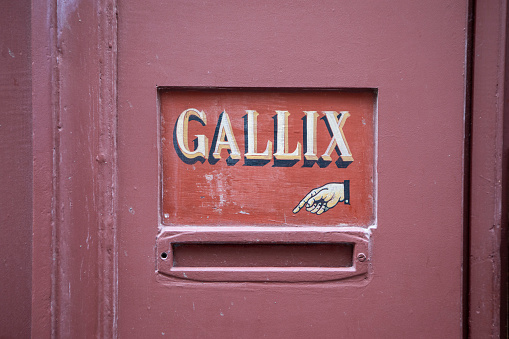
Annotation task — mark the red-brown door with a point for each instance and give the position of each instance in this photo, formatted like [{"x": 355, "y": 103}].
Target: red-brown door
[{"x": 231, "y": 114}]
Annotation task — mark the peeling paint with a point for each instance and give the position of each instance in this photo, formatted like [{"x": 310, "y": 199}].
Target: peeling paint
[{"x": 65, "y": 9}]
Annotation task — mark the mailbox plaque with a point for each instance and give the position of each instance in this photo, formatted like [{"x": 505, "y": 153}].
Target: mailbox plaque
[{"x": 282, "y": 157}]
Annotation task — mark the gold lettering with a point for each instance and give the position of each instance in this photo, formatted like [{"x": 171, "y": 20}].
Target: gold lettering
[
  {"x": 338, "y": 138},
  {"x": 225, "y": 139},
  {"x": 182, "y": 134},
  {"x": 311, "y": 118},
  {"x": 282, "y": 139},
  {"x": 252, "y": 139}
]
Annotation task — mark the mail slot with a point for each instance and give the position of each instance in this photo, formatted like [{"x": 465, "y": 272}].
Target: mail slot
[{"x": 263, "y": 254}]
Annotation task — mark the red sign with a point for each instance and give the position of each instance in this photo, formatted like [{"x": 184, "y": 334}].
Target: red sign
[{"x": 267, "y": 157}]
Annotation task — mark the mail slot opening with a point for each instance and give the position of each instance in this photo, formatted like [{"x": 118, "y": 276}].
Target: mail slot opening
[{"x": 263, "y": 255}]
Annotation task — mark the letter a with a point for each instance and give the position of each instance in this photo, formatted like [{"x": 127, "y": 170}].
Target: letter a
[{"x": 225, "y": 138}]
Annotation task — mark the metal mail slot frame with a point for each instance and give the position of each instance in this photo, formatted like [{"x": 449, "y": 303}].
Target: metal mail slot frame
[{"x": 256, "y": 235}]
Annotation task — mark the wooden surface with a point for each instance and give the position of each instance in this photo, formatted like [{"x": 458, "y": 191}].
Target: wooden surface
[
  {"x": 489, "y": 174},
  {"x": 15, "y": 170},
  {"x": 413, "y": 52},
  {"x": 74, "y": 140}
]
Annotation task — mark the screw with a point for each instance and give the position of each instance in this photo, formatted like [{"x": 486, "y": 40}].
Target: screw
[{"x": 361, "y": 257}]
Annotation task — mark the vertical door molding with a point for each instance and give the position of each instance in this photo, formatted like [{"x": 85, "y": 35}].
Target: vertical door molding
[
  {"x": 75, "y": 111},
  {"x": 488, "y": 212}
]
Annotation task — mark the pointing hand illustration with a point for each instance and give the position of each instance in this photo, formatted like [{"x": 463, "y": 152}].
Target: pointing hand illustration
[{"x": 323, "y": 198}]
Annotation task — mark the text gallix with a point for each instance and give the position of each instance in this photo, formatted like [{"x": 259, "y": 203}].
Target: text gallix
[{"x": 224, "y": 138}]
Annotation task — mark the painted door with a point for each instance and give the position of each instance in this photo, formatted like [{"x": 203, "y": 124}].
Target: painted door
[{"x": 291, "y": 169}]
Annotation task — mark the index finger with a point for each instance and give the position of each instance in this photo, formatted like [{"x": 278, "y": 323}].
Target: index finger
[{"x": 304, "y": 201}]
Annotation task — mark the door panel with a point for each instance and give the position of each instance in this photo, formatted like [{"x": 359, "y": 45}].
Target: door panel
[{"x": 412, "y": 53}]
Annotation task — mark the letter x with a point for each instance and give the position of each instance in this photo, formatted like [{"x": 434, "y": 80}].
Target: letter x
[{"x": 338, "y": 138}]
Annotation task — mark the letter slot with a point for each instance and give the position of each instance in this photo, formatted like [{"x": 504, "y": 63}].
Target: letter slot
[{"x": 263, "y": 255}]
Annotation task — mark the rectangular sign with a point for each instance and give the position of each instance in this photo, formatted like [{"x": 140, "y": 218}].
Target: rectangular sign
[{"x": 278, "y": 157}]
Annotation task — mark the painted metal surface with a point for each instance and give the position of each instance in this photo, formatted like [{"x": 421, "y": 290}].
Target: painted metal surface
[{"x": 263, "y": 267}]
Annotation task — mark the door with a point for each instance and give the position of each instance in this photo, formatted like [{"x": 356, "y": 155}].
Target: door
[{"x": 291, "y": 169}]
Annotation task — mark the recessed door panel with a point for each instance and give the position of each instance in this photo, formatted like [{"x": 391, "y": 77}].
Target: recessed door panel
[
  {"x": 279, "y": 157},
  {"x": 211, "y": 240}
]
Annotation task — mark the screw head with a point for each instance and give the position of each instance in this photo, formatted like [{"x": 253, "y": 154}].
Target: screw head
[{"x": 361, "y": 257}]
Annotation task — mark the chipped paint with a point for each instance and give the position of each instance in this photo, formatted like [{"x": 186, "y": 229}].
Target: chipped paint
[{"x": 65, "y": 9}]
